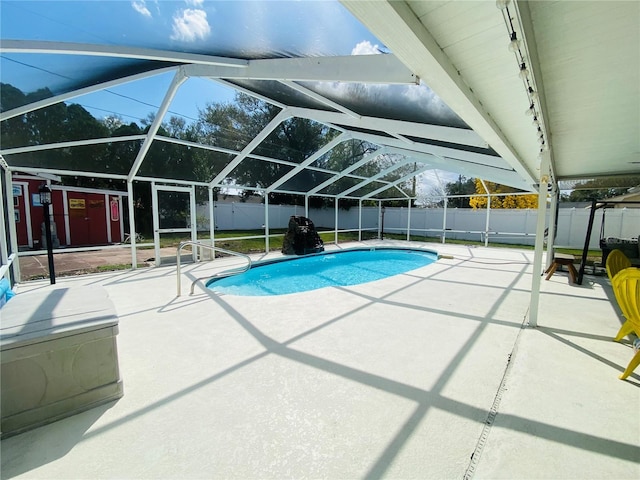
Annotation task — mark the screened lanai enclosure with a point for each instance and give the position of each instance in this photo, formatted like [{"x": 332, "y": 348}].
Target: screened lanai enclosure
[{"x": 314, "y": 103}]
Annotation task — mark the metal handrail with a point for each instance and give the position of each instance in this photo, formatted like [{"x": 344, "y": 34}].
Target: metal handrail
[{"x": 217, "y": 275}]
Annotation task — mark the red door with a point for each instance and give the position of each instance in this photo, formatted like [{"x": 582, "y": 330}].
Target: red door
[
  {"x": 79, "y": 226},
  {"x": 87, "y": 218},
  {"x": 97, "y": 213}
]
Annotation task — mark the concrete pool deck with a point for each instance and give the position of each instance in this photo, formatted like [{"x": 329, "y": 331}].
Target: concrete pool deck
[{"x": 428, "y": 374}]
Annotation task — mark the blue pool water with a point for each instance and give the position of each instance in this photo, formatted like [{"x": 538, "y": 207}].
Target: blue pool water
[{"x": 300, "y": 274}]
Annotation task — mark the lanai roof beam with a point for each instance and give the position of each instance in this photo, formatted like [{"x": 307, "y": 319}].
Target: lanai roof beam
[
  {"x": 116, "y": 51},
  {"x": 178, "y": 80},
  {"x": 271, "y": 126},
  {"x": 380, "y": 174},
  {"x": 396, "y": 182},
  {"x": 79, "y": 92},
  {"x": 320, "y": 98},
  {"x": 383, "y": 69},
  {"x": 325, "y": 149},
  {"x": 458, "y": 136},
  {"x": 419, "y": 50},
  {"x": 75, "y": 143},
  {"x": 366, "y": 159}
]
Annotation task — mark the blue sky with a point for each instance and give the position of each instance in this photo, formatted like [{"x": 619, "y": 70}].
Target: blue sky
[
  {"x": 235, "y": 28},
  {"x": 246, "y": 28},
  {"x": 134, "y": 101}
]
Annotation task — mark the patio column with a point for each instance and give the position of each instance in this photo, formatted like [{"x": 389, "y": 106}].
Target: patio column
[
  {"x": 360, "y": 220},
  {"x": 537, "y": 257},
  {"x": 553, "y": 217},
  {"x": 10, "y": 244},
  {"x": 132, "y": 224},
  {"x": 409, "y": 220},
  {"x": 486, "y": 224},
  {"x": 336, "y": 221},
  {"x": 212, "y": 224},
  {"x": 266, "y": 221},
  {"x": 444, "y": 219}
]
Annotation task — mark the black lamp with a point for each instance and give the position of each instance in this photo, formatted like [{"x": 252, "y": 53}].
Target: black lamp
[{"x": 45, "y": 201}]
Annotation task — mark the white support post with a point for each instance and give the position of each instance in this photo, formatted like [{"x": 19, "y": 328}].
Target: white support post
[
  {"x": 359, "y": 220},
  {"x": 336, "y": 201},
  {"x": 266, "y": 222},
  {"x": 379, "y": 219},
  {"x": 408, "y": 220},
  {"x": 551, "y": 233},
  {"x": 120, "y": 219},
  {"x": 65, "y": 212},
  {"x": 107, "y": 212},
  {"x": 4, "y": 248},
  {"x": 444, "y": 219},
  {"x": 132, "y": 224},
  {"x": 13, "y": 234},
  {"x": 444, "y": 213},
  {"x": 486, "y": 224},
  {"x": 193, "y": 223},
  {"x": 212, "y": 225},
  {"x": 537, "y": 257},
  {"x": 570, "y": 229},
  {"x": 306, "y": 206},
  {"x": 26, "y": 194},
  {"x": 156, "y": 222}
]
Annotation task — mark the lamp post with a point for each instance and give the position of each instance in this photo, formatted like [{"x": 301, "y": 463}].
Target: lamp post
[
  {"x": 382, "y": 224},
  {"x": 45, "y": 201}
]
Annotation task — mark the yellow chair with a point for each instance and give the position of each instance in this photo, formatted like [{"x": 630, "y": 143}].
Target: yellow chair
[
  {"x": 616, "y": 261},
  {"x": 626, "y": 285}
]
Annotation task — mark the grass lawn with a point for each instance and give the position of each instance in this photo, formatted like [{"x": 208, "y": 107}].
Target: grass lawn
[
  {"x": 244, "y": 241},
  {"x": 256, "y": 245}
]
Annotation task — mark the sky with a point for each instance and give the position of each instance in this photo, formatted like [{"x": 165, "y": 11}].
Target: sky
[
  {"x": 247, "y": 28},
  {"x": 285, "y": 28}
]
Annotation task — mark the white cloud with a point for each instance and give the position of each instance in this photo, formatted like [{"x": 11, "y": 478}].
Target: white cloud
[
  {"x": 409, "y": 96},
  {"x": 194, "y": 3},
  {"x": 190, "y": 25},
  {"x": 140, "y": 7},
  {"x": 365, "y": 48},
  {"x": 424, "y": 98}
]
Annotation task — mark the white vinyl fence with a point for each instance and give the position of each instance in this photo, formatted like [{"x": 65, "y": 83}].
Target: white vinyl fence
[{"x": 505, "y": 226}]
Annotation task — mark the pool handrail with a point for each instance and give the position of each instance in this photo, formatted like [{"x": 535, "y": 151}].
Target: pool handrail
[{"x": 228, "y": 273}]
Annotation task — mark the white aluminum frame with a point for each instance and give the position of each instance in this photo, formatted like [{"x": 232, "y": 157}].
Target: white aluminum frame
[{"x": 157, "y": 231}]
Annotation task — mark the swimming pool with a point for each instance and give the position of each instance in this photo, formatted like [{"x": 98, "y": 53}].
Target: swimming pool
[{"x": 311, "y": 272}]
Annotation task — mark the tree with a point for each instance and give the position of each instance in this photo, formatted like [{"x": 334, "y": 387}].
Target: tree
[
  {"x": 601, "y": 188},
  {"x": 234, "y": 125},
  {"x": 463, "y": 186},
  {"x": 55, "y": 123},
  {"x": 112, "y": 122},
  {"x": 505, "y": 201}
]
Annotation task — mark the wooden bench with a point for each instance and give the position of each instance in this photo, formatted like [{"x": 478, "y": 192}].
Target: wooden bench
[
  {"x": 58, "y": 356},
  {"x": 560, "y": 259}
]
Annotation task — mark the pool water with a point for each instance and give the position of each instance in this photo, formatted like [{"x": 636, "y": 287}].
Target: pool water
[{"x": 343, "y": 268}]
